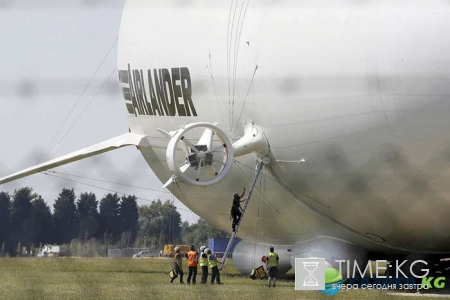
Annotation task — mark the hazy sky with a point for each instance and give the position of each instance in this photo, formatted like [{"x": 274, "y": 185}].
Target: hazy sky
[{"x": 49, "y": 52}]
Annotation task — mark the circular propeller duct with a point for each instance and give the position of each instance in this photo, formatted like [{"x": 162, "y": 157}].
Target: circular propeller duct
[{"x": 200, "y": 154}]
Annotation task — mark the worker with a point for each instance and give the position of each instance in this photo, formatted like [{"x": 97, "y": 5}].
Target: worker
[
  {"x": 204, "y": 263},
  {"x": 177, "y": 264},
  {"x": 272, "y": 267},
  {"x": 192, "y": 263},
  {"x": 236, "y": 210},
  {"x": 212, "y": 261}
]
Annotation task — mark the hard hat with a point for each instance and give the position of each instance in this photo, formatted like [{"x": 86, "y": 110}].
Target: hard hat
[
  {"x": 207, "y": 251},
  {"x": 202, "y": 248},
  {"x": 177, "y": 249}
]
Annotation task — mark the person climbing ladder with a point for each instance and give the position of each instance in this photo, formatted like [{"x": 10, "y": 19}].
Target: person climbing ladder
[{"x": 236, "y": 210}]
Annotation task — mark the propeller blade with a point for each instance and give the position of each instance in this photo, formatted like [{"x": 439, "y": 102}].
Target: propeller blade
[
  {"x": 206, "y": 138},
  {"x": 184, "y": 166},
  {"x": 189, "y": 144}
]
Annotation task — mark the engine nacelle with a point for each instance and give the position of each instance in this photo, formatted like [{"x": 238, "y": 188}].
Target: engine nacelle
[
  {"x": 331, "y": 249},
  {"x": 247, "y": 255}
]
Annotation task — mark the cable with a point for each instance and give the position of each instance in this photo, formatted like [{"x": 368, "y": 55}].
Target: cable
[
  {"x": 84, "y": 90},
  {"x": 110, "y": 182},
  {"x": 181, "y": 192},
  {"x": 245, "y": 100},
  {"x": 105, "y": 189},
  {"x": 81, "y": 95},
  {"x": 84, "y": 110}
]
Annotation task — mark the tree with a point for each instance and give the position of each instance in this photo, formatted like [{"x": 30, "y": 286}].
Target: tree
[
  {"x": 87, "y": 205},
  {"x": 109, "y": 216},
  {"x": 21, "y": 216},
  {"x": 159, "y": 224},
  {"x": 199, "y": 233},
  {"x": 5, "y": 219},
  {"x": 129, "y": 216},
  {"x": 41, "y": 221},
  {"x": 65, "y": 217}
]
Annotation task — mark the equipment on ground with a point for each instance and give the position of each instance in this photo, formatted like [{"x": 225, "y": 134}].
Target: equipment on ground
[{"x": 258, "y": 273}]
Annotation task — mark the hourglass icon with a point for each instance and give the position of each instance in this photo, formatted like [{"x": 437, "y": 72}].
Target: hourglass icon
[{"x": 310, "y": 280}]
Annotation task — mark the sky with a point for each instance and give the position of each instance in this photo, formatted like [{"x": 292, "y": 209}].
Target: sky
[{"x": 52, "y": 104}]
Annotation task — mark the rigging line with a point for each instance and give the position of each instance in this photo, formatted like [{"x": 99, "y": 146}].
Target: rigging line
[
  {"x": 257, "y": 189},
  {"x": 215, "y": 91},
  {"x": 237, "y": 44},
  {"x": 236, "y": 161},
  {"x": 185, "y": 198},
  {"x": 257, "y": 222},
  {"x": 105, "y": 181},
  {"x": 84, "y": 110},
  {"x": 246, "y": 96},
  {"x": 278, "y": 181},
  {"x": 82, "y": 93},
  {"x": 228, "y": 59},
  {"x": 235, "y": 58},
  {"x": 105, "y": 189},
  {"x": 229, "y": 65}
]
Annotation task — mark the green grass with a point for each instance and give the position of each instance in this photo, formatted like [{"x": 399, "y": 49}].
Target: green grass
[{"x": 144, "y": 278}]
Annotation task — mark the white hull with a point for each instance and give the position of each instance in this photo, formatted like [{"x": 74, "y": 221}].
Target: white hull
[{"x": 361, "y": 91}]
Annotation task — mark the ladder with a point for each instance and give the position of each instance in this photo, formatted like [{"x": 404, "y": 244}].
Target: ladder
[{"x": 258, "y": 169}]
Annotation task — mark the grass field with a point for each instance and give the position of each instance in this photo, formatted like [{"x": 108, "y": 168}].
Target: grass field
[{"x": 143, "y": 278}]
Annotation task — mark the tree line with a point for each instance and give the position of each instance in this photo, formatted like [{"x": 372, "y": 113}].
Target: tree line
[{"x": 115, "y": 221}]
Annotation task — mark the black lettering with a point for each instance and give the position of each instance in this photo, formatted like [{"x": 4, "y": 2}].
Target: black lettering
[
  {"x": 129, "y": 108},
  {"x": 123, "y": 76},
  {"x": 177, "y": 91},
  {"x": 152, "y": 95},
  {"x": 160, "y": 91},
  {"x": 126, "y": 93},
  {"x": 144, "y": 94},
  {"x": 139, "y": 94},
  {"x": 187, "y": 91},
  {"x": 168, "y": 91},
  {"x": 132, "y": 94}
]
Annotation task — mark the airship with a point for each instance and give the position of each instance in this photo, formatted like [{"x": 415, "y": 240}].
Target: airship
[{"x": 334, "y": 114}]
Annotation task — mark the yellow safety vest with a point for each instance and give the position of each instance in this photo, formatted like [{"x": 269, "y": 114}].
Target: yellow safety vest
[
  {"x": 203, "y": 261},
  {"x": 212, "y": 262},
  {"x": 272, "y": 258}
]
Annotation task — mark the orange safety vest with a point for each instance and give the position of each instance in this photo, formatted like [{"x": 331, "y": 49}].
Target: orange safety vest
[{"x": 192, "y": 259}]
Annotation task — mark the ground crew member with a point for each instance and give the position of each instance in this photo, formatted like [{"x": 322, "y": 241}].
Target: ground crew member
[
  {"x": 272, "y": 267},
  {"x": 204, "y": 263},
  {"x": 212, "y": 261},
  {"x": 177, "y": 264},
  {"x": 192, "y": 263},
  {"x": 236, "y": 210}
]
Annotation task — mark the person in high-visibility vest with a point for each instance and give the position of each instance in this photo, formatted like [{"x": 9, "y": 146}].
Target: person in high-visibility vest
[
  {"x": 192, "y": 263},
  {"x": 212, "y": 261},
  {"x": 204, "y": 263},
  {"x": 272, "y": 267}
]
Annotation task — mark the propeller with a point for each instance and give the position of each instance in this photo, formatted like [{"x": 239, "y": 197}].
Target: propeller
[{"x": 204, "y": 162}]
